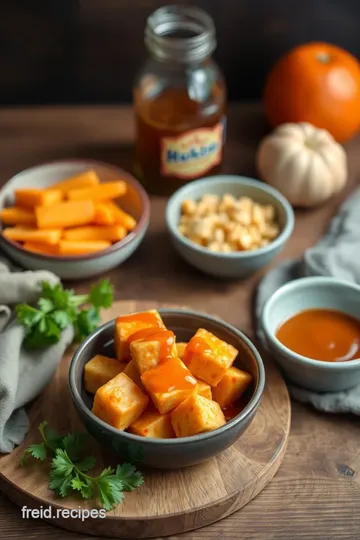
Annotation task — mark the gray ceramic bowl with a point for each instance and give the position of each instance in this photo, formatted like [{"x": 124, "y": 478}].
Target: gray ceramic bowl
[
  {"x": 310, "y": 293},
  {"x": 229, "y": 265},
  {"x": 168, "y": 453},
  {"x": 135, "y": 201}
]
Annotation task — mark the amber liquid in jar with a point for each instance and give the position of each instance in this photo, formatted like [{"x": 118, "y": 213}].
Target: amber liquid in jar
[{"x": 180, "y": 103}]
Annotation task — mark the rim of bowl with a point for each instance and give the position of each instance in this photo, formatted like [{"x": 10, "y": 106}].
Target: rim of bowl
[
  {"x": 253, "y": 403},
  {"x": 241, "y": 180},
  {"x": 303, "y": 283},
  {"x": 140, "y": 226}
]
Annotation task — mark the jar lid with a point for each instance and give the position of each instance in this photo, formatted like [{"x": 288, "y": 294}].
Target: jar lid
[{"x": 180, "y": 34}]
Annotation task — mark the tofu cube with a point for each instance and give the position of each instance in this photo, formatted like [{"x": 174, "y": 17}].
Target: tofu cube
[
  {"x": 208, "y": 357},
  {"x": 181, "y": 346},
  {"x": 168, "y": 384},
  {"x": 196, "y": 414},
  {"x": 132, "y": 372},
  {"x": 153, "y": 424},
  {"x": 148, "y": 351},
  {"x": 126, "y": 325},
  {"x": 119, "y": 402},
  {"x": 231, "y": 387},
  {"x": 99, "y": 370},
  {"x": 204, "y": 389}
]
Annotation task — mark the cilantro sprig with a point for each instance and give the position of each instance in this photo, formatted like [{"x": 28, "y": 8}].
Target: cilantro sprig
[
  {"x": 69, "y": 469},
  {"x": 57, "y": 308}
]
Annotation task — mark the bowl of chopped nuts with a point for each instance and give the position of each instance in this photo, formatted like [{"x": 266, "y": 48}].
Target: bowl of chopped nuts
[{"x": 229, "y": 226}]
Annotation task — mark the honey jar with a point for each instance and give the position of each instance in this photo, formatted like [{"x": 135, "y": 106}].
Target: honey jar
[{"x": 179, "y": 101}]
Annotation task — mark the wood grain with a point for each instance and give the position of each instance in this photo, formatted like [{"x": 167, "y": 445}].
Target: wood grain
[
  {"x": 315, "y": 494},
  {"x": 169, "y": 502}
]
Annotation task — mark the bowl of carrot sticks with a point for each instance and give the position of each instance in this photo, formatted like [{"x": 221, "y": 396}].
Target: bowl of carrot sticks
[{"x": 76, "y": 218}]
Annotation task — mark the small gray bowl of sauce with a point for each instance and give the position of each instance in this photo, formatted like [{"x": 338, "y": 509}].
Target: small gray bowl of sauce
[{"x": 312, "y": 328}]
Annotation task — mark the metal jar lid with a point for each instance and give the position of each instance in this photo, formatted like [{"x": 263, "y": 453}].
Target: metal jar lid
[{"x": 180, "y": 33}]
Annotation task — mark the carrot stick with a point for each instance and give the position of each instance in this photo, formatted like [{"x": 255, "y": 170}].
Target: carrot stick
[
  {"x": 65, "y": 214},
  {"x": 48, "y": 236},
  {"x": 111, "y": 233},
  {"x": 102, "y": 192},
  {"x": 37, "y": 197},
  {"x": 79, "y": 181},
  {"x": 122, "y": 217},
  {"x": 103, "y": 215},
  {"x": 45, "y": 249},
  {"x": 17, "y": 216},
  {"x": 67, "y": 247}
]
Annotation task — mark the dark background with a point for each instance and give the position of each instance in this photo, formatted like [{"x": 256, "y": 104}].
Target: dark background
[{"x": 88, "y": 51}]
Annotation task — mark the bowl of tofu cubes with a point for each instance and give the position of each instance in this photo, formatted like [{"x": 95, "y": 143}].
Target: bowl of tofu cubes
[
  {"x": 166, "y": 388},
  {"x": 229, "y": 226}
]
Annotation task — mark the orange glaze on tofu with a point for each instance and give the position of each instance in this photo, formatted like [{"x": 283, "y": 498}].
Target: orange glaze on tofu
[
  {"x": 151, "y": 346},
  {"x": 168, "y": 376},
  {"x": 208, "y": 357},
  {"x": 147, "y": 317},
  {"x": 197, "y": 345},
  {"x": 166, "y": 338},
  {"x": 126, "y": 325},
  {"x": 168, "y": 384}
]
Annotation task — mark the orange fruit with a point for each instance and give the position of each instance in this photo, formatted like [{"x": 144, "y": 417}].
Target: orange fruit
[{"x": 316, "y": 83}]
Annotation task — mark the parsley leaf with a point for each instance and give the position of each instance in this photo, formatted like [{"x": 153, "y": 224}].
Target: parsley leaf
[
  {"x": 129, "y": 476},
  {"x": 60, "y": 483},
  {"x": 61, "y": 463},
  {"x": 73, "y": 444},
  {"x": 86, "y": 464},
  {"x": 57, "y": 308},
  {"x": 61, "y": 318},
  {"x": 110, "y": 490},
  {"x": 82, "y": 485},
  {"x": 69, "y": 468},
  {"x": 37, "y": 451},
  {"x": 86, "y": 322},
  {"x": 101, "y": 295}
]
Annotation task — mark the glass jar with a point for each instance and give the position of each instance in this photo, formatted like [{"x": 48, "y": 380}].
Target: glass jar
[{"x": 179, "y": 101}]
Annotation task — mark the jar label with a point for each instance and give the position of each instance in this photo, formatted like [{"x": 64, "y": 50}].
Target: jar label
[{"x": 193, "y": 153}]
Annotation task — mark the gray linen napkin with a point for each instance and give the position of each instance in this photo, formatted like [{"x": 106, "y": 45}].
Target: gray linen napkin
[
  {"x": 23, "y": 374},
  {"x": 335, "y": 255}
]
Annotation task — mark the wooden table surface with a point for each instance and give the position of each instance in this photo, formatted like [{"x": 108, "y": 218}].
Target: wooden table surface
[{"x": 316, "y": 493}]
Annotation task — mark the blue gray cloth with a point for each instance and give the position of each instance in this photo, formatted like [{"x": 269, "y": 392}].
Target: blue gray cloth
[
  {"x": 336, "y": 255},
  {"x": 23, "y": 374}
]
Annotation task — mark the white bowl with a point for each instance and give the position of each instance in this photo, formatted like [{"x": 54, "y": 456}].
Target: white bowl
[
  {"x": 300, "y": 295},
  {"x": 238, "y": 264},
  {"x": 135, "y": 201}
]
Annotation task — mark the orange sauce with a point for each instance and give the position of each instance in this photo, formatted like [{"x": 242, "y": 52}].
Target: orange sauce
[
  {"x": 145, "y": 317},
  {"x": 196, "y": 345},
  {"x": 169, "y": 114},
  {"x": 322, "y": 334},
  {"x": 168, "y": 376},
  {"x": 166, "y": 338},
  {"x": 232, "y": 411}
]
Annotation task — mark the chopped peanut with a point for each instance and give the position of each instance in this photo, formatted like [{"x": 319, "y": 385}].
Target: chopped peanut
[
  {"x": 227, "y": 224},
  {"x": 188, "y": 207}
]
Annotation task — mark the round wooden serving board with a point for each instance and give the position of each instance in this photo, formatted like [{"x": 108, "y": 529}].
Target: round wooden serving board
[{"x": 170, "y": 501}]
